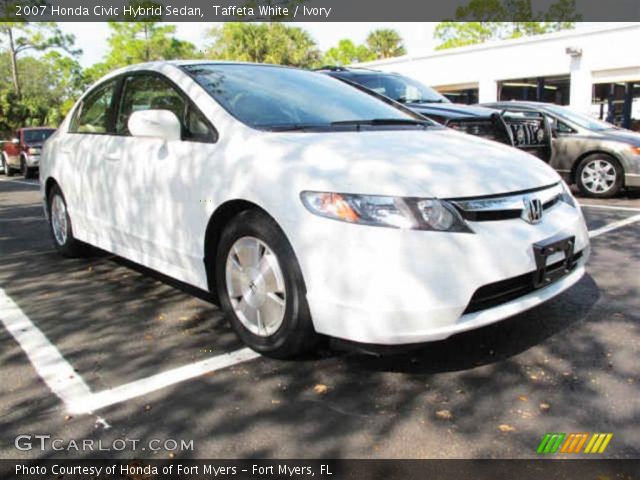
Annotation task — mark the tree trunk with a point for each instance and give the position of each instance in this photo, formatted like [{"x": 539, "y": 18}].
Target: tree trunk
[{"x": 14, "y": 64}]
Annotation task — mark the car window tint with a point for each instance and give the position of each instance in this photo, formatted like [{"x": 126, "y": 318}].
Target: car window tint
[
  {"x": 92, "y": 116},
  {"x": 151, "y": 92}
]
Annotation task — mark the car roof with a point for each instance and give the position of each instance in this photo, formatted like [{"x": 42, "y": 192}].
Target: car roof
[
  {"x": 519, "y": 103},
  {"x": 353, "y": 70}
]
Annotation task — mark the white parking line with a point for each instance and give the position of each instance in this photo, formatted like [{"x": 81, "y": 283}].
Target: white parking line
[
  {"x": 43, "y": 355},
  {"x": 614, "y": 226},
  {"x": 23, "y": 182},
  {"x": 62, "y": 380},
  {"x": 612, "y": 207},
  {"x": 159, "y": 381}
]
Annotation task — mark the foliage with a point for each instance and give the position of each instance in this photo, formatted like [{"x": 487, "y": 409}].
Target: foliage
[
  {"x": 275, "y": 43},
  {"x": 491, "y": 21},
  {"x": 385, "y": 43},
  {"x": 346, "y": 53},
  {"x": 51, "y": 83},
  {"x": 20, "y": 37}
]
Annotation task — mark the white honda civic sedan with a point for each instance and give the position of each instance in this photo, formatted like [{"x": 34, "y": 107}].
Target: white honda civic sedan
[{"x": 306, "y": 207}]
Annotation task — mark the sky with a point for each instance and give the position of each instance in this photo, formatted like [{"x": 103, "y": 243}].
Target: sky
[{"x": 418, "y": 37}]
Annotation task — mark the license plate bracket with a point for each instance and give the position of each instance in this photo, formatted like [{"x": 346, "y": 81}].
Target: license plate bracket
[{"x": 543, "y": 249}]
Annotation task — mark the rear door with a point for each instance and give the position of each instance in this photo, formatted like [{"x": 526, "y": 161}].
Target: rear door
[{"x": 90, "y": 171}]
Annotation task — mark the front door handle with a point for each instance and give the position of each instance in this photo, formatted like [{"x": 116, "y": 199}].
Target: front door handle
[{"x": 112, "y": 157}]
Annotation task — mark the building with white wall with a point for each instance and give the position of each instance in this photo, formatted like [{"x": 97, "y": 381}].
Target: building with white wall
[{"x": 593, "y": 69}]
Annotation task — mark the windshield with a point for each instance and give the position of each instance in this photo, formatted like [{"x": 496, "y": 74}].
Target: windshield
[
  {"x": 268, "y": 97},
  {"x": 399, "y": 88},
  {"x": 580, "y": 119},
  {"x": 37, "y": 136}
]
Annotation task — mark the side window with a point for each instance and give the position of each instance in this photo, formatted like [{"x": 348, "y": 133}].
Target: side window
[
  {"x": 150, "y": 92},
  {"x": 92, "y": 115},
  {"x": 559, "y": 125}
]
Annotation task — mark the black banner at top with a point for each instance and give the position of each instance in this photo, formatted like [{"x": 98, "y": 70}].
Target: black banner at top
[{"x": 318, "y": 10}]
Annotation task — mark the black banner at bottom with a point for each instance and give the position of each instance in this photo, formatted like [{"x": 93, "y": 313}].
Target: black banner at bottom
[{"x": 543, "y": 469}]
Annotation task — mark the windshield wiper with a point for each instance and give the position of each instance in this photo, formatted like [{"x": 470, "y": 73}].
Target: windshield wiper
[
  {"x": 383, "y": 121},
  {"x": 292, "y": 127}
]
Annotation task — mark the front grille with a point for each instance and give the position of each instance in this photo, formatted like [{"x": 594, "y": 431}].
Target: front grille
[
  {"x": 497, "y": 293},
  {"x": 505, "y": 207}
]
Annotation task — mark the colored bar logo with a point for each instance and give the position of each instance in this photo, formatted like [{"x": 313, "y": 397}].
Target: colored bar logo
[{"x": 573, "y": 442}]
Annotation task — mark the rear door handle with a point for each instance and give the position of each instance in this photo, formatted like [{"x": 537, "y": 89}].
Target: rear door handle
[{"x": 112, "y": 157}]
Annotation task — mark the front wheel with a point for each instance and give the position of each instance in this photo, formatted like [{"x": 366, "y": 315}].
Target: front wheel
[
  {"x": 60, "y": 226},
  {"x": 261, "y": 289},
  {"x": 599, "y": 176},
  {"x": 26, "y": 171}
]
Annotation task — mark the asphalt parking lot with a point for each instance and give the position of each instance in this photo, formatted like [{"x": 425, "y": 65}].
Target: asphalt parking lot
[{"x": 102, "y": 349}]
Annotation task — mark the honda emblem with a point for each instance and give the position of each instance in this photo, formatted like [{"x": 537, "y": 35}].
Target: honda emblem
[{"x": 532, "y": 211}]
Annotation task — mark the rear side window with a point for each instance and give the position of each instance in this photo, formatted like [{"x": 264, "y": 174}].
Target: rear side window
[
  {"x": 151, "y": 92},
  {"x": 92, "y": 115}
]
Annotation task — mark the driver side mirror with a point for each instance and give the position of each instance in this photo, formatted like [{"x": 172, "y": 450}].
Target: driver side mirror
[{"x": 155, "y": 124}]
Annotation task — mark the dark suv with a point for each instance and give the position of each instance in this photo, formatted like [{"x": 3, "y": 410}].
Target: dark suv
[
  {"x": 531, "y": 134},
  {"x": 23, "y": 151}
]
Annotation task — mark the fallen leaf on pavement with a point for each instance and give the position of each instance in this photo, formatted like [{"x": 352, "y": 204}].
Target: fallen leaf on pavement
[
  {"x": 444, "y": 414},
  {"x": 506, "y": 428},
  {"x": 320, "y": 389}
]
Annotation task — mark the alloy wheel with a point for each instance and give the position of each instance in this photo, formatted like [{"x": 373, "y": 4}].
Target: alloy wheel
[
  {"x": 256, "y": 286},
  {"x": 598, "y": 176},
  {"x": 59, "y": 221}
]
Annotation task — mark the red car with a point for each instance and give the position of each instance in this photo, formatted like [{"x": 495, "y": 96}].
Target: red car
[{"x": 23, "y": 151}]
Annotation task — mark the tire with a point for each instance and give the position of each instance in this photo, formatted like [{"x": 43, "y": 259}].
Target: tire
[
  {"x": 60, "y": 226},
  {"x": 599, "y": 176},
  {"x": 27, "y": 172},
  {"x": 7, "y": 168},
  {"x": 268, "y": 310}
]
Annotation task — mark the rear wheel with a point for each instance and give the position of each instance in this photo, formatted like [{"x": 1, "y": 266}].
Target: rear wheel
[
  {"x": 599, "y": 175},
  {"x": 7, "y": 168},
  {"x": 60, "y": 226},
  {"x": 261, "y": 288}
]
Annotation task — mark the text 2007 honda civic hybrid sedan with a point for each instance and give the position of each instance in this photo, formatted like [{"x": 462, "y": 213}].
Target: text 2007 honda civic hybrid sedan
[{"x": 308, "y": 207}]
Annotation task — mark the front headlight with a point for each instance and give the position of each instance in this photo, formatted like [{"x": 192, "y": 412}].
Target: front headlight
[
  {"x": 394, "y": 212},
  {"x": 566, "y": 195},
  {"x": 33, "y": 151}
]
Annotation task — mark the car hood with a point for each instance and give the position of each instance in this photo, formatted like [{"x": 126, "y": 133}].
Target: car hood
[
  {"x": 451, "y": 110},
  {"x": 437, "y": 162},
  {"x": 622, "y": 135}
]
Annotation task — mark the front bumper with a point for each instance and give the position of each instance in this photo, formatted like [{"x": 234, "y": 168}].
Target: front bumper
[{"x": 385, "y": 286}]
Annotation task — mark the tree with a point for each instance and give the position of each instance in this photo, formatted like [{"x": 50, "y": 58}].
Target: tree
[
  {"x": 492, "y": 21},
  {"x": 346, "y": 53},
  {"x": 275, "y": 43},
  {"x": 51, "y": 83},
  {"x": 135, "y": 42},
  {"x": 21, "y": 37},
  {"x": 385, "y": 43}
]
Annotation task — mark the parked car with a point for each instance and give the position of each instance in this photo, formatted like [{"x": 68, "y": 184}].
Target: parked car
[
  {"x": 597, "y": 156},
  {"x": 2, "y": 142},
  {"x": 530, "y": 134},
  {"x": 308, "y": 207},
  {"x": 23, "y": 151}
]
